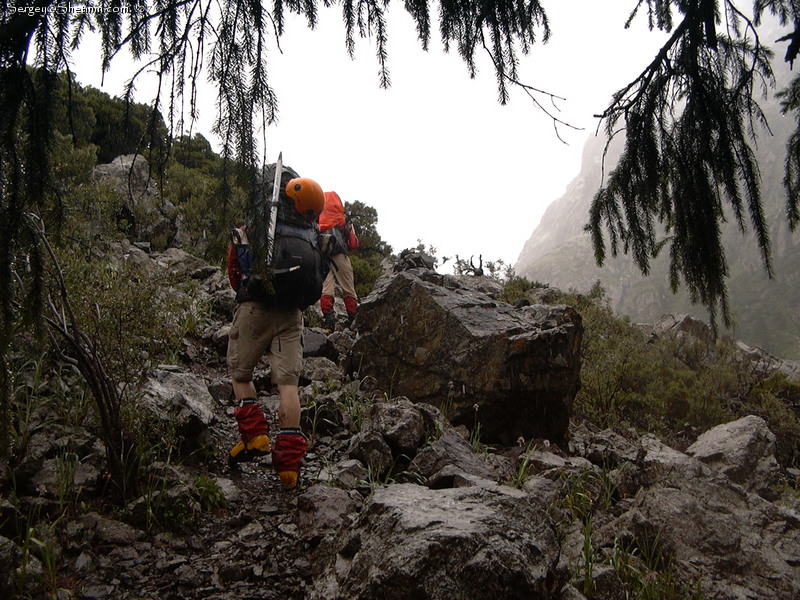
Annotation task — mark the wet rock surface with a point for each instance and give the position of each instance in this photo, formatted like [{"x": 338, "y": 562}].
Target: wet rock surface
[{"x": 436, "y": 340}]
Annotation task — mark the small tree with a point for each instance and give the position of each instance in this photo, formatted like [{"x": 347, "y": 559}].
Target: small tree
[{"x": 372, "y": 249}]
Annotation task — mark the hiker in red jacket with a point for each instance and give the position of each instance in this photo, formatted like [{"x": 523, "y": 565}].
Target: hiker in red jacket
[{"x": 338, "y": 238}]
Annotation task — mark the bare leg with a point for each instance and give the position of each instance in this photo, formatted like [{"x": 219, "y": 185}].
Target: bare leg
[
  {"x": 244, "y": 389},
  {"x": 289, "y": 410}
]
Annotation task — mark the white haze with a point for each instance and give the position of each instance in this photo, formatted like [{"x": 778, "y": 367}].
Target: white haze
[{"x": 435, "y": 154}]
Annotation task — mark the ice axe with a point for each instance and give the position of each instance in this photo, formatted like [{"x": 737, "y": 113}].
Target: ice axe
[{"x": 273, "y": 211}]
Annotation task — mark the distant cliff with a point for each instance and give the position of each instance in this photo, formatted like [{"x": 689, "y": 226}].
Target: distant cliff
[{"x": 767, "y": 312}]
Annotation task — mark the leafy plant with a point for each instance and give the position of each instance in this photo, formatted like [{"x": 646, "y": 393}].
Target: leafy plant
[
  {"x": 475, "y": 433},
  {"x": 379, "y": 477},
  {"x": 66, "y": 466},
  {"x": 524, "y": 467},
  {"x": 356, "y": 407},
  {"x": 209, "y": 494},
  {"x": 586, "y": 569},
  {"x": 39, "y": 558},
  {"x": 27, "y": 381},
  {"x": 647, "y": 571}
]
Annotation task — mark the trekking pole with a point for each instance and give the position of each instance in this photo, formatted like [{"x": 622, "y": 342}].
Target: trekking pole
[{"x": 273, "y": 213}]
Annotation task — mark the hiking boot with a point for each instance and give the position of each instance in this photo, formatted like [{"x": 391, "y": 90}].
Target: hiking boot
[
  {"x": 329, "y": 321},
  {"x": 253, "y": 431},
  {"x": 246, "y": 451},
  {"x": 288, "y": 452}
]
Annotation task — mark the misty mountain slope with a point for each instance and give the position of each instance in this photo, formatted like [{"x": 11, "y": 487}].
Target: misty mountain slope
[{"x": 766, "y": 312}]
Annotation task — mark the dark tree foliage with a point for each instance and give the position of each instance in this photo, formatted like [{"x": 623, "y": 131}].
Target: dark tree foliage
[
  {"x": 196, "y": 153},
  {"x": 690, "y": 121},
  {"x": 790, "y": 102},
  {"x": 114, "y": 126},
  {"x": 122, "y": 127}
]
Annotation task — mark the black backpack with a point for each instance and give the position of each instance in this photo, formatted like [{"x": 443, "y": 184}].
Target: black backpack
[{"x": 294, "y": 279}]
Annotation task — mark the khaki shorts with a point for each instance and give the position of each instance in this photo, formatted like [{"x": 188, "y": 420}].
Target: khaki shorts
[{"x": 256, "y": 330}]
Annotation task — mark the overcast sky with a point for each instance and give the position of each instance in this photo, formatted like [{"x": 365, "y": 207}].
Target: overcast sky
[{"x": 436, "y": 154}]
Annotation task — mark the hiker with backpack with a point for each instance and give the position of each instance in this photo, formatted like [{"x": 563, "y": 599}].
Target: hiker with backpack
[
  {"x": 275, "y": 265},
  {"x": 338, "y": 238}
]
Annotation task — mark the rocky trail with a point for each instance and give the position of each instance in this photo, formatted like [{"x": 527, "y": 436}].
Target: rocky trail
[{"x": 397, "y": 501}]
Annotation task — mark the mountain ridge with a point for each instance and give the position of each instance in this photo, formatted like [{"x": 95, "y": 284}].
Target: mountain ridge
[{"x": 559, "y": 252}]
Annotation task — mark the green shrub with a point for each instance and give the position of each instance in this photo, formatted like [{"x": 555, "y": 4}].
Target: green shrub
[
  {"x": 132, "y": 316},
  {"x": 663, "y": 384},
  {"x": 515, "y": 287}
]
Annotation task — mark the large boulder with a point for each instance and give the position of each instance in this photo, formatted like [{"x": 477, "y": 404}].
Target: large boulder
[
  {"x": 411, "y": 542},
  {"x": 514, "y": 372}
]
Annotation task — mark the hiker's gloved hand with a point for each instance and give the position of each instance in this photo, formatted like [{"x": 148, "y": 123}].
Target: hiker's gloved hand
[{"x": 288, "y": 452}]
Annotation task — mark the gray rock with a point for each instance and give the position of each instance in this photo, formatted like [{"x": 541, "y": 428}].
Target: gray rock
[
  {"x": 542, "y": 488},
  {"x": 570, "y": 592},
  {"x": 762, "y": 361},
  {"x": 605, "y": 449},
  {"x": 450, "y": 450},
  {"x": 412, "y": 259},
  {"x": 413, "y": 542},
  {"x": 182, "y": 399},
  {"x": 736, "y": 545},
  {"x": 343, "y": 341},
  {"x": 180, "y": 262},
  {"x": 607, "y": 584},
  {"x": 219, "y": 338},
  {"x": 370, "y": 448},
  {"x": 744, "y": 451},
  {"x": 540, "y": 460},
  {"x": 684, "y": 326},
  {"x": 223, "y": 302},
  {"x": 65, "y": 478},
  {"x": 9, "y": 561},
  {"x": 400, "y": 424},
  {"x": 323, "y": 511},
  {"x": 221, "y": 391},
  {"x": 318, "y": 368},
  {"x": 97, "y": 590},
  {"x": 58, "y": 449},
  {"x": 347, "y": 473},
  {"x": 317, "y": 343},
  {"x": 150, "y": 216},
  {"x": 84, "y": 563},
  {"x": 657, "y": 461},
  {"x": 108, "y": 531},
  {"x": 126, "y": 253},
  {"x": 229, "y": 489}
]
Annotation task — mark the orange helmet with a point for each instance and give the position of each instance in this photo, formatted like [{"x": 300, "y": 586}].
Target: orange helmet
[{"x": 307, "y": 195}]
